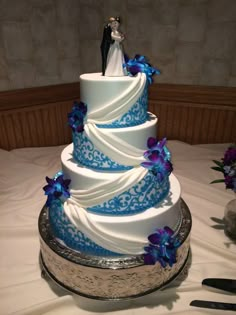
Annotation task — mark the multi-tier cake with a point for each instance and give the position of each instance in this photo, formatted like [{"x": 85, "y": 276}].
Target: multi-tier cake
[{"x": 114, "y": 225}]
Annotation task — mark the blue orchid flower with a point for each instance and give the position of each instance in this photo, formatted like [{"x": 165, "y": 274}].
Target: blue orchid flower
[
  {"x": 76, "y": 116},
  {"x": 140, "y": 64},
  {"x": 57, "y": 188},
  {"x": 162, "y": 248}
]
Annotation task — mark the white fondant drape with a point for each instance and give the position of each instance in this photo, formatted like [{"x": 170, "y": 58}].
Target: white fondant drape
[
  {"x": 101, "y": 236},
  {"x": 119, "y": 105},
  {"x": 113, "y": 147},
  {"x": 109, "y": 189}
]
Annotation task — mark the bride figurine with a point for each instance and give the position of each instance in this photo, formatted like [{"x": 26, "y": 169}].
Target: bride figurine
[{"x": 111, "y": 48}]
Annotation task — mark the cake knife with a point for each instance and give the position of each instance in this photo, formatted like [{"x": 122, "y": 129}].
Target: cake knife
[
  {"x": 214, "y": 305},
  {"x": 228, "y": 285}
]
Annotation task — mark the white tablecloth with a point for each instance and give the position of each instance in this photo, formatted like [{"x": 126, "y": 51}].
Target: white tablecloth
[{"x": 23, "y": 291}]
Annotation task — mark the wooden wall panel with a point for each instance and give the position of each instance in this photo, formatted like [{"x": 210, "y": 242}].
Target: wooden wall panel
[
  {"x": 193, "y": 114},
  {"x": 37, "y": 118}
]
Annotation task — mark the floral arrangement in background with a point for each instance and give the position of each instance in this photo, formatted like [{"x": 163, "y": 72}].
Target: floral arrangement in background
[
  {"x": 158, "y": 158},
  {"x": 227, "y": 166},
  {"x": 140, "y": 64},
  {"x": 162, "y": 248},
  {"x": 76, "y": 116}
]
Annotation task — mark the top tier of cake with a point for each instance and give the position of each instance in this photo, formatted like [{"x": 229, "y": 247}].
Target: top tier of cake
[{"x": 114, "y": 101}]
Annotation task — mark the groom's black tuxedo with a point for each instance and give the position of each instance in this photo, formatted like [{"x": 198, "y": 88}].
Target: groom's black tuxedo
[{"x": 105, "y": 45}]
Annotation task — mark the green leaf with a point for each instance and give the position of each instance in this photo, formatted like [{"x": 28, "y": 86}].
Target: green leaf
[
  {"x": 220, "y": 164},
  {"x": 217, "y": 181},
  {"x": 216, "y": 168}
]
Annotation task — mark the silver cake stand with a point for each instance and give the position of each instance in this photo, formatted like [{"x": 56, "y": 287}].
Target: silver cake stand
[{"x": 108, "y": 278}]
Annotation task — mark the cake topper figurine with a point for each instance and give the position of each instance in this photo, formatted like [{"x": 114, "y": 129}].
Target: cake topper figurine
[{"x": 111, "y": 49}]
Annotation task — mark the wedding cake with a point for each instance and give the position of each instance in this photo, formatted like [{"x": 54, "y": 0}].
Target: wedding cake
[{"x": 114, "y": 225}]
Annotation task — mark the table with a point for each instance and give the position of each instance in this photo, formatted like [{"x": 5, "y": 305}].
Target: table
[{"x": 24, "y": 292}]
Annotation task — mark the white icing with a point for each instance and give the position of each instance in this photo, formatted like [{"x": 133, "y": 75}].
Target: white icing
[
  {"x": 126, "y": 234},
  {"x": 135, "y": 136},
  {"x": 113, "y": 147},
  {"x": 109, "y": 98},
  {"x": 109, "y": 188},
  {"x": 81, "y": 177}
]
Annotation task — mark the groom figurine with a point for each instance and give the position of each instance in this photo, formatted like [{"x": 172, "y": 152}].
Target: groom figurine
[{"x": 105, "y": 45}]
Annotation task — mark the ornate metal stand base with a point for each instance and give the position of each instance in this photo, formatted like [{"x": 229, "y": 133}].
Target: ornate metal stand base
[{"x": 108, "y": 278}]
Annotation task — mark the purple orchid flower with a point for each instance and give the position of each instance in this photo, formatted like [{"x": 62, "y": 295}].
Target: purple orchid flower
[
  {"x": 159, "y": 167},
  {"x": 158, "y": 157},
  {"x": 162, "y": 248},
  {"x": 154, "y": 145},
  {"x": 230, "y": 182},
  {"x": 230, "y": 156},
  {"x": 76, "y": 116},
  {"x": 57, "y": 188},
  {"x": 227, "y": 166}
]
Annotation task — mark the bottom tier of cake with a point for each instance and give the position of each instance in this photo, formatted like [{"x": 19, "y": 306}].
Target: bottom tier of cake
[{"x": 109, "y": 278}]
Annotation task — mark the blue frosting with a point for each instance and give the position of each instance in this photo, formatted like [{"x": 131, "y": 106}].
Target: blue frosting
[
  {"x": 86, "y": 154},
  {"x": 137, "y": 114},
  {"x": 145, "y": 194},
  {"x": 64, "y": 230}
]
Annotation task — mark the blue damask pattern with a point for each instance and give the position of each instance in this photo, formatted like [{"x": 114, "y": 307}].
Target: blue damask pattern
[
  {"x": 64, "y": 230},
  {"x": 145, "y": 194},
  {"x": 86, "y": 154},
  {"x": 137, "y": 114}
]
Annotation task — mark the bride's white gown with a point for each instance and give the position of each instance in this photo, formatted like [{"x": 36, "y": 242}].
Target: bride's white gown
[{"x": 115, "y": 58}]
